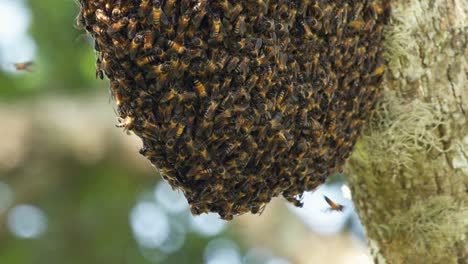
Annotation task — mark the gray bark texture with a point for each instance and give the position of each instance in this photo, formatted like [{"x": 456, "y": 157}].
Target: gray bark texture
[{"x": 409, "y": 170}]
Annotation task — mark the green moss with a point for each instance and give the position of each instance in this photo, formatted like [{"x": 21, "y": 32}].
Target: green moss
[{"x": 437, "y": 218}]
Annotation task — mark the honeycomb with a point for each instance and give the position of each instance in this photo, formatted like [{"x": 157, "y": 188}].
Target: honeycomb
[{"x": 237, "y": 102}]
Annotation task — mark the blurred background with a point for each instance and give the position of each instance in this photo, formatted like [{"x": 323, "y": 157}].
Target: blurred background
[{"x": 73, "y": 188}]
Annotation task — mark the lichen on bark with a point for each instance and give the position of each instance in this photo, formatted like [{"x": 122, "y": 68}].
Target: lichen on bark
[{"x": 409, "y": 170}]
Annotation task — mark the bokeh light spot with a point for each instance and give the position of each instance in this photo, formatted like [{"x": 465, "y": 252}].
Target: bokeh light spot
[
  {"x": 27, "y": 221},
  {"x": 173, "y": 201},
  {"x": 222, "y": 251},
  {"x": 150, "y": 224},
  {"x": 208, "y": 224},
  {"x": 346, "y": 192}
]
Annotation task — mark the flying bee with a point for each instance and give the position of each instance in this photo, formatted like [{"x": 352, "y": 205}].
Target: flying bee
[
  {"x": 117, "y": 26},
  {"x": 216, "y": 26},
  {"x": 142, "y": 61},
  {"x": 102, "y": 17},
  {"x": 176, "y": 47},
  {"x": 333, "y": 206},
  {"x": 25, "y": 66},
  {"x": 240, "y": 27},
  {"x": 200, "y": 88}
]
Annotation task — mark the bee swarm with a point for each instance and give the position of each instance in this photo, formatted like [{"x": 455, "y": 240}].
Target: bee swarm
[{"x": 240, "y": 101}]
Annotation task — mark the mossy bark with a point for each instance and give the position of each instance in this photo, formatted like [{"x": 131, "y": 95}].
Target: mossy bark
[{"x": 409, "y": 170}]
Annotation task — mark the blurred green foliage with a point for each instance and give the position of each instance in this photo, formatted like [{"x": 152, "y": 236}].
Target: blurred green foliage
[
  {"x": 64, "y": 59},
  {"x": 87, "y": 206}
]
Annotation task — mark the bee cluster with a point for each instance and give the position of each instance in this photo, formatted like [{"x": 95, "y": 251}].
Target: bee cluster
[{"x": 240, "y": 101}]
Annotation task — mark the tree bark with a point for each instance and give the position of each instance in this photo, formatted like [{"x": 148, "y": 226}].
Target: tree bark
[{"x": 409, "y": 170}]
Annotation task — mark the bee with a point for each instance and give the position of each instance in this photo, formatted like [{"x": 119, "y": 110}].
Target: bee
[
  {"x": 216, "y": 26},
  {"x": 132, "y": 27},
  {"x": 252, "y": 81},
  {"x": 176, "y": 47},
  {"x": 135, "y": 45},
  {"x": 98, "y": 29},
  {"x": 232, "y": 64},
  {"x": 243, "y": 66},
  {"x": 180, "y": 130},
  {"x": 169, "y": 7},
  {"x": 231, "y": 147},
  {"x": 240, "y": 27},
  {"x": 225, "y": 5},
  {"x": 303, "y": 7},
  {"x": 183, "y": 23},
  {"x": 209, "y": 113},
  {"x": 234, "y": 12},
  {"x": 142, "y": 61},
  {"x": 356, "y": 25},
  {"x": 308, "y": 35},
  {"x": 26, "y": 66},
  {"x": 379, "y": 70},
  {"x": 203, "y": 173},
  {"x": 144, "y": 8},
  {"x": 102, "y": 17},
  {"x": 148, "y": 41},
  {"x": 99, "y": 69},
  {"x": 158, "y": 16},
  {"x": 127, "y": 123},
  {"x": 184, "y": 63},
  {"x": 200, "y": 88},
  {"x": 116, "y": 92},
  {"x": 204, "y": 152},
  {"x": 171, "y": 94},
  {"x": 333, "y": 206},
  {"x": 160, "y": 69},
  {"x": 117, "y": 26},
  {"x": 189, "y": 145}
]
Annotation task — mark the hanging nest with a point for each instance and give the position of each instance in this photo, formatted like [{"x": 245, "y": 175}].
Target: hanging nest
[{"x": 240, "y": 101}]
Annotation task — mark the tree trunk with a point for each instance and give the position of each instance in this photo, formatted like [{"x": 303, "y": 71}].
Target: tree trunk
[{"x": 409, "y": 170}]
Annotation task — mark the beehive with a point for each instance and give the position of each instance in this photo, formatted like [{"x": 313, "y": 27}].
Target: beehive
[{"x": 240, "y": 101}]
